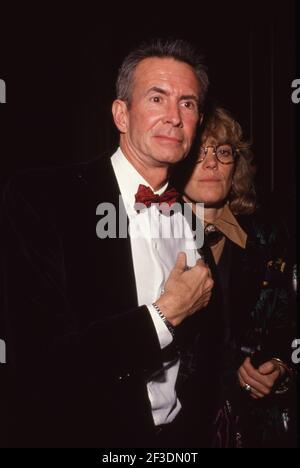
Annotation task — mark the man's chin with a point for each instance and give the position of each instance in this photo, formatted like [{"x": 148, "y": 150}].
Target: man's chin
[{"x": 171, "y": 158}]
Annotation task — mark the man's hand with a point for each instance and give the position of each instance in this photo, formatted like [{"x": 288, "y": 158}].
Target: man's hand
[
  {"x": 261, "y": 380},
  {"x": 186, "y": 290}
]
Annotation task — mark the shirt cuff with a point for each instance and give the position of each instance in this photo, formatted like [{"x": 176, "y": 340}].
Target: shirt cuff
[{"x": 164, "y": 335}]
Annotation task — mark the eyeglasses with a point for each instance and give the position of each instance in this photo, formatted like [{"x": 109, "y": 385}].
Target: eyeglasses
[{"x": 225, "y": 154}]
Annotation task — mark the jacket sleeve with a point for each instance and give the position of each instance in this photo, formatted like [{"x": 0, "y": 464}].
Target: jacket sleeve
[
  {"x": 43, "y": 337},
  {"x": 275, "y": 311}
]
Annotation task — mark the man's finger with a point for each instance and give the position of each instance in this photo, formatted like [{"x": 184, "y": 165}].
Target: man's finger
[
  {"x": 180, "y": 264},
  {"x": 201, "y": 263}
]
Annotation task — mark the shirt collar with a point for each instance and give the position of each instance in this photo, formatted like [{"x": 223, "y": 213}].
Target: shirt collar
[
  {"x": 129, "y": 178},
  {"x": 228, "y": 225}
]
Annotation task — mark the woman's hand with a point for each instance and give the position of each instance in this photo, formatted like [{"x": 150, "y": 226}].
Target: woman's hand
[{"x": 259, "y": 382}]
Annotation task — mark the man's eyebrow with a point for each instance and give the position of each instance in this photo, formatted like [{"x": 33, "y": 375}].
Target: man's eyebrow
[
  {"x": 156, "y": 89},
  {"x": 159, "y": 90},
  {"x": 190, "y": 96}
]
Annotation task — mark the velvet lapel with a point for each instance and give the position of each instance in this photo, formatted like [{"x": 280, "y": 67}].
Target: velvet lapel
[{"x": 106, "y": 265}]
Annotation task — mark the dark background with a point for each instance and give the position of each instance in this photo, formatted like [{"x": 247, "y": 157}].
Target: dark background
[{"x": 60, "y": 67}]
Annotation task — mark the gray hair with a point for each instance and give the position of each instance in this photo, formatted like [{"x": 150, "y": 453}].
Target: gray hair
[{"x": 177, "y": 49}]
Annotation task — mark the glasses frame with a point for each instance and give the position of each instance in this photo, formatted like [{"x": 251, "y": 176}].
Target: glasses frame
[{"x": 234, "y": 152}]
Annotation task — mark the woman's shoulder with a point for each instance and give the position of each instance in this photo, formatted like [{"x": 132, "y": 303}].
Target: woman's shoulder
[
  {"x": 265, "y": 228},
  {"x": 269, "y": 237}
]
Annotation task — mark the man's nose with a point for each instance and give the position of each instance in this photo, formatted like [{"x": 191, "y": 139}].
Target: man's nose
[{"x": 173, "y": 115}]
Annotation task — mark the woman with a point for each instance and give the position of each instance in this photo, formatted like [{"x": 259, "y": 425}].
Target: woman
[{"x": 251, "y": 273}]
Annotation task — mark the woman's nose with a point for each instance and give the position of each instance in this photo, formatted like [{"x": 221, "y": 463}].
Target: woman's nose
[{"x": 210, "y": 159}]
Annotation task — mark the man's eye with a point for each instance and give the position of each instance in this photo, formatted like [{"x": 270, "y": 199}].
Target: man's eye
[
  {"x": 189, "y": 105},
  {"x": 156, "y": 99}
]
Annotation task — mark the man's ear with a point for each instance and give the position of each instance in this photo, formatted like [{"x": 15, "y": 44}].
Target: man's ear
[{"x": 120, "y": 115}]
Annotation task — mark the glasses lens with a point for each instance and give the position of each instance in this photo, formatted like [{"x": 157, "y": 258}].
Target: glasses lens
[{"x": 225, "y": 153}]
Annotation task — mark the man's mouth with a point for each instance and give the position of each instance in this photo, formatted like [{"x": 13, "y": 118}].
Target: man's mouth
[{"x": 169, "y": 138}]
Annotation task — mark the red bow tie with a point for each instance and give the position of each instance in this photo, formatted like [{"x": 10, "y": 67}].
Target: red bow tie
[{"x": 146, "y": 196}]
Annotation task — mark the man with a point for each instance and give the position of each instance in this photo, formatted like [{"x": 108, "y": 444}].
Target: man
[{"x": 111, "y": 340}]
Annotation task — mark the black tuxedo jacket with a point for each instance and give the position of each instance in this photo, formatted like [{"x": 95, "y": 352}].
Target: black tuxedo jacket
[{"x": 80, "y": 350}]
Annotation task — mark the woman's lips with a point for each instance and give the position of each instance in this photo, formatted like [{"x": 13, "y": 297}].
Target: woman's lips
[{"x": 211, "y": 179}]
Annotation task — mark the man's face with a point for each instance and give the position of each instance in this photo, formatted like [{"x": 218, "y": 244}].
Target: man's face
[{"x": 161, "y": 120}]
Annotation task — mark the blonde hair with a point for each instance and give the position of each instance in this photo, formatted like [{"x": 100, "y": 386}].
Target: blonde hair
[{"x": 221, "y": 126}]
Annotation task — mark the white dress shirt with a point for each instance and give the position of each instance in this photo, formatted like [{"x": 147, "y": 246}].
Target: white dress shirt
[{"x": 153, "y": 259}]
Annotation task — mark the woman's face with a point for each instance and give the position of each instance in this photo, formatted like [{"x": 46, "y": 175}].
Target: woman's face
[{"x": 211, "y": 180}]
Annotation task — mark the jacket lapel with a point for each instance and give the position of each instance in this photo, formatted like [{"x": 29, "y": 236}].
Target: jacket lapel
[{"x": 107, "y": 272}]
